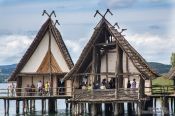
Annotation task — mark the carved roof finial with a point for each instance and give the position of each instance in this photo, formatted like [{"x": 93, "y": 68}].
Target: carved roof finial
[
  {"x": 49, "y": 15},
  {"x": 103, "y": 16}
]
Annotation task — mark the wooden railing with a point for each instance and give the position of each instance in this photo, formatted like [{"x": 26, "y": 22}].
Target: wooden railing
[
  {"x": 59, "y": 91},
  {"x": 122, "y": 93},
  {"x": 161, "y": 89}
]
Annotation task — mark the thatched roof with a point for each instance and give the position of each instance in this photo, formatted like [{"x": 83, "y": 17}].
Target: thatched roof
[
  {"x": 138, "y": 61},
  {"x": 48, "y": 24}
]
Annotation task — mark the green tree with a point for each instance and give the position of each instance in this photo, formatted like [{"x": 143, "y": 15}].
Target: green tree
[{"x": 173, "y": 59}]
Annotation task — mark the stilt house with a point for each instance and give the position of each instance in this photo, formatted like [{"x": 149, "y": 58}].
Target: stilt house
[
  {"x": 109, "y": 56},
  {"x": 47, "y": 59}
]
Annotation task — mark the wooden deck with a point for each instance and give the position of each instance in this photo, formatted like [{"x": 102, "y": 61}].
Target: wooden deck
[{"x": 22, "y": 94}]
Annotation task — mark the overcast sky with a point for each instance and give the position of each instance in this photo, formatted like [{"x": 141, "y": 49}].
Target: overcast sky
[{"x": 150, "y": 25}]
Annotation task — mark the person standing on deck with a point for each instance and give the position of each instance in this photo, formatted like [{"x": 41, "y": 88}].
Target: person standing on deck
[
  {"x": 133, "y": 86},
  {"x": 39, "y": 86},
  {"x": 133, "y": 83},
  {"x": 46, "y": 86},
  {"x": 129, "y": 84}
]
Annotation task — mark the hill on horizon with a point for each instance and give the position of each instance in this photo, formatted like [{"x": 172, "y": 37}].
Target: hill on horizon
[{"x": 6, "y": 70}]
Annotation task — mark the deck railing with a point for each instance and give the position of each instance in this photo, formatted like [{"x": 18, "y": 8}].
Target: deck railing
[
  {"x": 161, "y": 89},
  {"x": 122, "y": 93},
  {"x": 59, "y": 91}
]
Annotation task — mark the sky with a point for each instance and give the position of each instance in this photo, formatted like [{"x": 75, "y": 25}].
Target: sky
[{"x": 150, "y": 25}]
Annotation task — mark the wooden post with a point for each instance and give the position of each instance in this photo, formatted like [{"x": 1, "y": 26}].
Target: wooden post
[
  {"x": 119, "y": 70},
  {"x": 116, "y": 112},
  {"x": 93, "y": 109},
  {"x": 106, "y": 65},
  {"x": 8, "y": 105},
  {"x": 155, "y": 103},
  {"x": 5, "y": 110},
  {"x": 42, "y": 106},
  {"x": 139, "y": 108},
  {"x": 51, "y": 103},
  {"x": 129, "y": 108},
  {"x": 171, "y": 104},
  {"x": 148, "y": 104},
  {"x": 30, "y": 105},
  {"x": 165, "y": 105},
  {"x": 24, "y": 106},
  {"x": 17, "y": 106},
  {"x": 66, "y": 104}
]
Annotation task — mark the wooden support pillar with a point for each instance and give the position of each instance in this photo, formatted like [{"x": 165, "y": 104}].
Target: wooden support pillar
[
  {"x": 8, "y": 105},
  {"x": 17, "y": 106},
  {"x": 73, "y": 108},
  {"x": 67, "y": 105},
  {"x": 172, "y": 105},
  {"x": 24, "y": 106},
  {"x": 139, "y": 108},
  {"x": 99, "y": 108},
  {"x": 93, "y": 109},
  {"x": 51, "y": 103},
  {"x": 31, "y": 105},
  {"x": 27, "y": 105},
  {"x": 42, "y": 106},
  {"x": 165, "y": 105},
  {"x": 5, "y": 106},
  {"x": 119, "y": 78},
  {"x": 94, "y": 79},
  {"x": 129, "y": 108},
  {"x": 155, "y": 100},
  {"x": 148, "y": 104},
  {"x": 116, "y": 109}
]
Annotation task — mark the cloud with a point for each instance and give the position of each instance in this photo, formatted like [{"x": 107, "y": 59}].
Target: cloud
[
  {"x": 75, "y": 47},
  {"x": 13, "y": 47},
  {"x": 153, "y": 47},
  {"x": 117, "y": 3}
]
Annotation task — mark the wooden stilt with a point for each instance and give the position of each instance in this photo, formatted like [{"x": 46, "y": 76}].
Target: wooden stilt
[
  {"x": 42, "y": 106},
  {"x": 34, "y": 105},
  {"x": 73, "y": 109},
  {"x": 56, "y": 106},
  {"x": 129, "y": 108},
  {"x": 17, "y": 107},
  {"x": 66, "y": 104},
  {"x": 172, "y": 105},
  {"x": 5, "y": 110},
  {"x": 148, "y": 104},
  {"x": 116, "y": 112},
  {"x": 165, "y": 105},
  {"x": 93, "y": 109},
  {"x": 89, "y": 108},
  {"x": 31, "y": 105},
  {"x": 8, "y": 105},
  {"x": 139, "y": 109},
  {"x": 155, "y": 104},
  {"x": 23, "y": 106},
  {"x": 51, "y": 104}
]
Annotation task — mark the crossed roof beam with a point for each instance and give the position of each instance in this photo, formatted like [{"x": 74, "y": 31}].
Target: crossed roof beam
[{"x": 50, "y": 15}]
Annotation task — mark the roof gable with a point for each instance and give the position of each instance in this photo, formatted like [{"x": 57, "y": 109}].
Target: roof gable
[
  {"x": 137, "y": 60},
  {"x": 60, "y": 43}
]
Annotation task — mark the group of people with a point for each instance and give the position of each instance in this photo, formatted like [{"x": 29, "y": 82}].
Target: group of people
[
  {"x": 42, "y": 89},
  {"x": 106, "y": 85},
  {"x": 103, "y": 85},
  {"x": 131, "y": 85}
]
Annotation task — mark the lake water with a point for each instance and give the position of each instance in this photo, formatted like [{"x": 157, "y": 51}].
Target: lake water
[{"x": 60, "y": 107}]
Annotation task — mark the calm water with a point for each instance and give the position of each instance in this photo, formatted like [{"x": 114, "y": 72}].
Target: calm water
[{"x": 60, "y": 104}]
